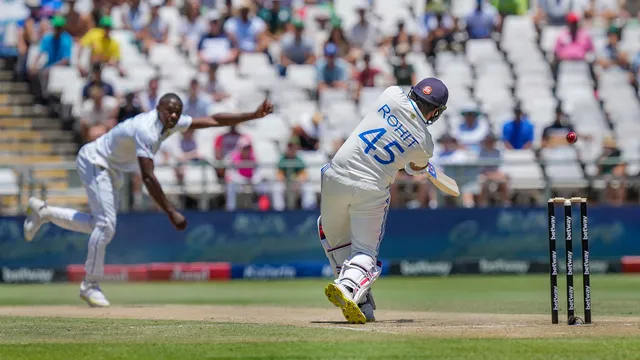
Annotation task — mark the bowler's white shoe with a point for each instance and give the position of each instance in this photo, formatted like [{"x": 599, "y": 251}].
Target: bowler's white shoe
[
  {"x": 92, "y": 294},
  {"x": 368, "y": 307},
  {"x": 339, "y": 296},
  {"x": 34, "y": 220}
]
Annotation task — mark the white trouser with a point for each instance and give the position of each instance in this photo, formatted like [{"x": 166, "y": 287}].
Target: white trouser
[
  {"x": 353, "y": 216},
  {"x": 307, "y": 195},
  {"x": 102, "y": 191}
]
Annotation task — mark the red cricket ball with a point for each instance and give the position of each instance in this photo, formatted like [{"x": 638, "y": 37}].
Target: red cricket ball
[{"x": 572, "y": 137}]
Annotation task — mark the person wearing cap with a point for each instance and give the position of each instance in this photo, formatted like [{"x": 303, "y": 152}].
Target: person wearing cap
[
  {"x": 454, "y": 160},
  {"x": 332, "y": 71},
  {"x": 247, "y": 31},
  {"x": 355, "y": 194},
  {"x": 96, "y": 80},
  {"x": 102, "y": 46},
  {"x": 292, "y": 177},
  {"x": 296, "y": 49},
  {"x": 490, "y": 173},
  {"x": 338, "y": 38},
  {"x": 612, "y": 55},
  {"x": 612, "y": 167},
  {"x": 56, "y": 46},
  {"x": 473, "y": 128},
  {"x": 574, "y": 42},
  {"x": 518, "y": 134},
  {"x": 215, "y": 46}
]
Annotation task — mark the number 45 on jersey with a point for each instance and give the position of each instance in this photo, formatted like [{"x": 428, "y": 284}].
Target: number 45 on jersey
[{"x": 437, "y": 177}]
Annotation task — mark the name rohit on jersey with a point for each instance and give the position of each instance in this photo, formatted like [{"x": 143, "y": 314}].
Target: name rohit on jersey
[{"x": 397, "y": 126}]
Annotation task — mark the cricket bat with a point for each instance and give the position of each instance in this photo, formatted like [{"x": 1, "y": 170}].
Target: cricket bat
[{"x": 442, "y": 181}]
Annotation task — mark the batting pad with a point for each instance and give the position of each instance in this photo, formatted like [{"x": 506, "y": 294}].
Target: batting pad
[{"x": 358, "y": 274}]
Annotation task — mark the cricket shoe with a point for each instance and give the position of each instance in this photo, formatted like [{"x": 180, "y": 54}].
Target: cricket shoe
[
  {"x": 339, "y": 296},
  {"x": 368, "y": 307},
  {"x": 34, "y": 219},
  {"x": 91, "y": 293}
]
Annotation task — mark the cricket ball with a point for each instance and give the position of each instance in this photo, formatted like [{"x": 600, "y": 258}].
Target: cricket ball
[{"x": 572, "y": 137}]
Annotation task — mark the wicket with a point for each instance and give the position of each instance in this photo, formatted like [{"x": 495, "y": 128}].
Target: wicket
[{"x": 553, "y": 259}]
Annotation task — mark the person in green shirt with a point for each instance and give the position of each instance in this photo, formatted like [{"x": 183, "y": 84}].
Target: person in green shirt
[
  {"x": 292, "y": 176},
  {"x": 511, "y": 7},
  {"x": 276, "y": 17}
]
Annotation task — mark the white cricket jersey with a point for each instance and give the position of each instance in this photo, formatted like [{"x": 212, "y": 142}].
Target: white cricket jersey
[
  {"x": 393, "y": 134},
  {"x": 139, "y": 136}
]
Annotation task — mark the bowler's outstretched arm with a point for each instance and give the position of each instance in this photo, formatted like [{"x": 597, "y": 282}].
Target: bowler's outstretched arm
[{"x": 226, "y": 119}]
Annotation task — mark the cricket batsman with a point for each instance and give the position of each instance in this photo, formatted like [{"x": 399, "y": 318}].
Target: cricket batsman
[
  {"x": 355, "y": 188},
  {"x": 127, "y": 148}
]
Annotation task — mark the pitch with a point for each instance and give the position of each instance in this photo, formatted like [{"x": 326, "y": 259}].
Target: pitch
[{"x": 471, "y": 317}]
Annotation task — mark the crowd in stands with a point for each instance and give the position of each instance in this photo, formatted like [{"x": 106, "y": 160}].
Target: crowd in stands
[{"x": 353, "y": 54}]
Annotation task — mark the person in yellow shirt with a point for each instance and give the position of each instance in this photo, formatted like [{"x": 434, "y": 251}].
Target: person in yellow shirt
[{"x": 104, "y": 48}]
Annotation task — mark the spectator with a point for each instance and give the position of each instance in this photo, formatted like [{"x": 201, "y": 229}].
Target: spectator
[
  {"x": 612, "y": 55},
  {"x": 103, "y": 48},
  {"x": 609, "y": 161},
  {"x": 242, "y": 173},
  {"x": 416, "y": 187},
  {"x": 403, "y": 72},
  {"x": 332, "y": 71},
  {"x": 192, "y": 26},
  {"x": 455, "y": 161},
  {"x": 56, "y": 47},
  {"x": 215, "y": 46},
  {"x": 517, "y": 134},
  {"x": 96, "y": 80},
  {"x": 157, "y": 30},
  {"x": 573, "y": 43},
  {"x": 276, "y": 16},
  {"x": 247, "y": 31},
  {"x": 189, "y": 155},
  {"x": 307, "y": 134},
  {"x": 490, "y": 174},
  {"x": 149, "y": 99},
  {"x": 473, "y": 129},
  {"x": 29, "y": 33},
  {"x": 554, "y": 12},
  {"x": 135, "y": 16},
  {"x": 436, "y": 27},
  {"x": 511, "y": 7},
  {"x": 197, "y": 104},
  {"x": 98, "y": 115},
  {"x": 224, "y": 145},
  {"x": 213, "y": 86},
  {"x": 77, "y": 23},
  {"x": 364, "y": 36},
  {"x": 129, "y": 109},
  {"x": 337, "y": 38},
  {"x": 482, "y": 21},
  {"x": 399, "y": 37},
  {"x": 292, "y": 178},
  {"x": 366, "y": 77},
  {"x": 555, "y": 134},
  {"x": 296, "y": 49},
  {"x": 613, "y": 169}
]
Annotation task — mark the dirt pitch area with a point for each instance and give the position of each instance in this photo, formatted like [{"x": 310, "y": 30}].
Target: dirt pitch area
[{"x": 428, "y": 324}]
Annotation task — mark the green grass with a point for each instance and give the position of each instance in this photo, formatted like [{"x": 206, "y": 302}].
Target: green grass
[
  {"x": 611, "y": 294},
  {"x": 37, "y": 338}
]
